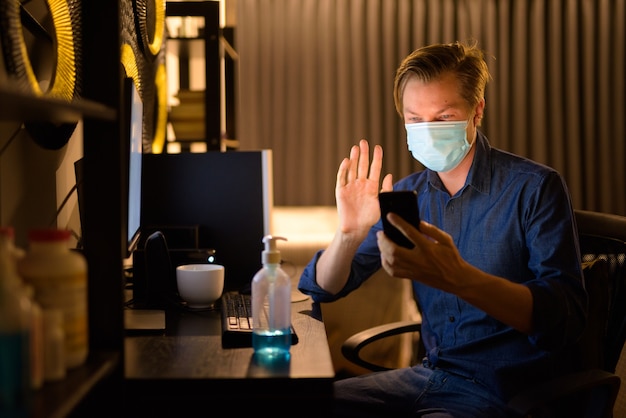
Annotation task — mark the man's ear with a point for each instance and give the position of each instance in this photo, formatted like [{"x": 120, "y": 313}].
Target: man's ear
[{"x": 478, "y": 115}]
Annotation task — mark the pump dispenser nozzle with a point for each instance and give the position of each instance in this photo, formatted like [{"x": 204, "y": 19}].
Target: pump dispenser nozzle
[{"x": 271, "y": 255}]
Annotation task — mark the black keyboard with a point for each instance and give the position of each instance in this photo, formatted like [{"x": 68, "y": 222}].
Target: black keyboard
[{"x": 237, "y": 320}]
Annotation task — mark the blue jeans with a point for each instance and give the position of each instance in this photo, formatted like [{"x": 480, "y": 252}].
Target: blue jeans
[{"x": 414, "y": 392}]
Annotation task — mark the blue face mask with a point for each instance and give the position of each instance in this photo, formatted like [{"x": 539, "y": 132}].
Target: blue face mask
[{"x": 439, "y": 146}]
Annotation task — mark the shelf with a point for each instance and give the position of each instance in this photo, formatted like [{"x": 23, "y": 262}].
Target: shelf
[
  {"x": 210, "y": 35},
  {"x": 59, "y": 399},
  {"x": 16, "y": 105},
  {"x": 94, "y": 36}
]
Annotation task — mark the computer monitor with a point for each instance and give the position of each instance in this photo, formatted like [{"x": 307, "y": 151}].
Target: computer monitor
[
  {"x": 132, "y": 130},
  {"x": 227, "y": 196}
]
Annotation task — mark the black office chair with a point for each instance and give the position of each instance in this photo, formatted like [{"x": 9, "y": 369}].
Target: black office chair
[{"x": 592, "y": 391}]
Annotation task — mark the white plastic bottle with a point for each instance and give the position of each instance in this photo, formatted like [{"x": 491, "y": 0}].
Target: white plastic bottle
[
  {"x": 54, "y": 342},
  {"x": 36, "y": 321},
  {"x": 59, "y": 277},
  {"x": 15, "y": 321},
  {"x": 36, "y": 338},
  {"x": 271, "y": 304}
]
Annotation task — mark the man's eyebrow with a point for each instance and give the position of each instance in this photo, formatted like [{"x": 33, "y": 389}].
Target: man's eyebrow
[{"x": 449, "y": 107}]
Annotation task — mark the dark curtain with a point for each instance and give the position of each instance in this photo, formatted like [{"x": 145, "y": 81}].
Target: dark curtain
[{"x": 315, "y": 76}]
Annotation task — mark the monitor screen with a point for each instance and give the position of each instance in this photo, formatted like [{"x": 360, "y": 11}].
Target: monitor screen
[
  {"x": 133, "y": 127},
  {"x": 131, "y": 132},
  {"x": 228, "y": 196}
]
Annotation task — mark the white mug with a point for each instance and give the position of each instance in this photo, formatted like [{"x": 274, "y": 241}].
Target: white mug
[{"x": 200, "y": 285}]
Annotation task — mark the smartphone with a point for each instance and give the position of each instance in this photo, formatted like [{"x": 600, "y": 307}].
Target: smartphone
[{"x": 403, "y": 203}]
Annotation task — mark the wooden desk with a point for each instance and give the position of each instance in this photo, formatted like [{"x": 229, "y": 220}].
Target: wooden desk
[{"x": 186, "y": 369}]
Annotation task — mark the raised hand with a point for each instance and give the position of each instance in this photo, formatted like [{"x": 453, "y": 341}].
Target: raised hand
[{"x": 357, "y": 189}]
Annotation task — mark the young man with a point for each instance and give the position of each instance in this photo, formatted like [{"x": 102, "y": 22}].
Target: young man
[{"x": 495, "y": 268}]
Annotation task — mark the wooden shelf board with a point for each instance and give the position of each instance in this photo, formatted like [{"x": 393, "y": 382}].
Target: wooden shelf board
[
  {"x": 59, "y": 399},
  {"x": 16, "y": 105}
]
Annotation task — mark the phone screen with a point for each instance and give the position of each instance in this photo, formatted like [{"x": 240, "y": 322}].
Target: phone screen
[{"x": 404, "y": 204}]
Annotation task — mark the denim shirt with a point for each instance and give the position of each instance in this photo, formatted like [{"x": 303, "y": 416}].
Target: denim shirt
[{"x": 513, "y": 218}]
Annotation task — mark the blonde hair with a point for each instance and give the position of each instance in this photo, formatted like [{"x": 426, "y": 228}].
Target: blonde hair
[{"x": 465, "y": 61}]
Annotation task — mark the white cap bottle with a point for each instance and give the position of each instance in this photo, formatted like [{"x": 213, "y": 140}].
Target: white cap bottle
[
  {"x": 54, "y": 342},
  {"x": 271, "y": 305}
]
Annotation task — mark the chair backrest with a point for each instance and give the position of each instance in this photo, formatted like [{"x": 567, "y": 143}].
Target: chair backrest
[{"x": 603, "y": 240}]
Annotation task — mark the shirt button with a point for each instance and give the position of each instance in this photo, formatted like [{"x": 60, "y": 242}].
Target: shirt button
[{"x": 451, "y": 318}]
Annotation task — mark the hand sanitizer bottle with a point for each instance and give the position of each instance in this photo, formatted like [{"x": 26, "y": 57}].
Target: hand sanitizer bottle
[{"x": 271, "y": 305}]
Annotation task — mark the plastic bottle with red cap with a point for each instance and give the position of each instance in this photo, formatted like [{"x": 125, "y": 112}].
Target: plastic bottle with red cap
[{"x": 59, "y": 278}]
